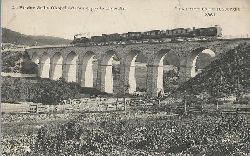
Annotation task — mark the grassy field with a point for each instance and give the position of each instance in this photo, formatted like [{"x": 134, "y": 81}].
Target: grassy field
[{"x": 131, "y": 132}]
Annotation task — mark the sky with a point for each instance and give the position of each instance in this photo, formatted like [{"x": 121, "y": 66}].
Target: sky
[{"x": 138, "y": 15}]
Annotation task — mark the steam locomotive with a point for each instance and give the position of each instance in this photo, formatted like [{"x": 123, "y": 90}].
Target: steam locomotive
[{"x": 153, "y": 34}]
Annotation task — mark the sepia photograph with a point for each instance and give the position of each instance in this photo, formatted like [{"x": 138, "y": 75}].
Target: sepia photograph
[{"x": 125, "y": 78}]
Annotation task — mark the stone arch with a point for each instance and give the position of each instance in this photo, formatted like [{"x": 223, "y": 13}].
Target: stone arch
[
  {"x": 105, "y": 71},
  {"x": 87, "y": 74},
  {"x": 35, "y": 58},
  {"x": 56, "y": 68},
  {"x": 71, "y": 67},
  {"x": 155, "y": 73},
  {"x": 129, "y": 69},
  {"x": 44, "y": 65},
  {"x": 191, "y": 62}
]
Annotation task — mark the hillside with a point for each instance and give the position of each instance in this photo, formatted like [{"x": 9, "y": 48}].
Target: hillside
[
  {"x": 16, "y": 38},
  {"x": 44, "y": 91},
  {"x": 228, "y": 75}
]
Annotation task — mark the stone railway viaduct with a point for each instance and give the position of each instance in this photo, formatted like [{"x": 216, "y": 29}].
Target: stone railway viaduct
[{"x": 75, "y": 62}]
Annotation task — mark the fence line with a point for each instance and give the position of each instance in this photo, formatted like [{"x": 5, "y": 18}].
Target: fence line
[{"x": 18, "y": 75}]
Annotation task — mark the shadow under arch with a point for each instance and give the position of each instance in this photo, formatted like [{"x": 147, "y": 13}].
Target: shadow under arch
[
  {"x": 35, "y": 58},
  {"x": 108, "y": 57},
  {"x": 192, "y": 59}
]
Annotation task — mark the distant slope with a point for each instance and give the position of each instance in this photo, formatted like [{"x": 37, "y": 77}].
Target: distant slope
[
  {"x": 223, "y": 76},
  {"x": 9, "y": 36}
]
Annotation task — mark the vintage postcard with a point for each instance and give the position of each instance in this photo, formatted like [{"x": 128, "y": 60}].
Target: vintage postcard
[{"x": 125, "y": 77}]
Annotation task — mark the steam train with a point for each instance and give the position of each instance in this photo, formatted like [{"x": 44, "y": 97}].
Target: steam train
[{"x": 153, "y": 34}]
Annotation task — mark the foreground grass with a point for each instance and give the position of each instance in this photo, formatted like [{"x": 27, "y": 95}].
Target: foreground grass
[{"x": 132, "y": 133}]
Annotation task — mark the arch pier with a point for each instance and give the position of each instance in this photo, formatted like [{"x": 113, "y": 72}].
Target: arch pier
[
  {"x": 128, "y": 79},
  {"x": 105, "y": 72},
  {"x": 188, "y": 64},
  {"x": 155, "y": 73}
]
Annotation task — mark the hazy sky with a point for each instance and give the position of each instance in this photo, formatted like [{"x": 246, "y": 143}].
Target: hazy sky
[{"x": 139, "y": 15}]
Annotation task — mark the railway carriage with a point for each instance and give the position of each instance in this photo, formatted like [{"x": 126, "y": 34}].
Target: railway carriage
[
  {"x": 153, "y": 34},
  {"x": 134, "y": 35}
]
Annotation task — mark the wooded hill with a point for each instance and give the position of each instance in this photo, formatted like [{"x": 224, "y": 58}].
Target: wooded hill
[
  {"x": 229, "y": 74},
  {"x": 16, "y": 38}
]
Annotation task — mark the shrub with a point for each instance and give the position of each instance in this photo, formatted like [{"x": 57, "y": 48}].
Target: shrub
[
  {"x": 41, "y": 90},
  {"x": 18, "y": 62},
  {"x": 29, "y": 67},
  {"x": 189, "y": 135}
]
